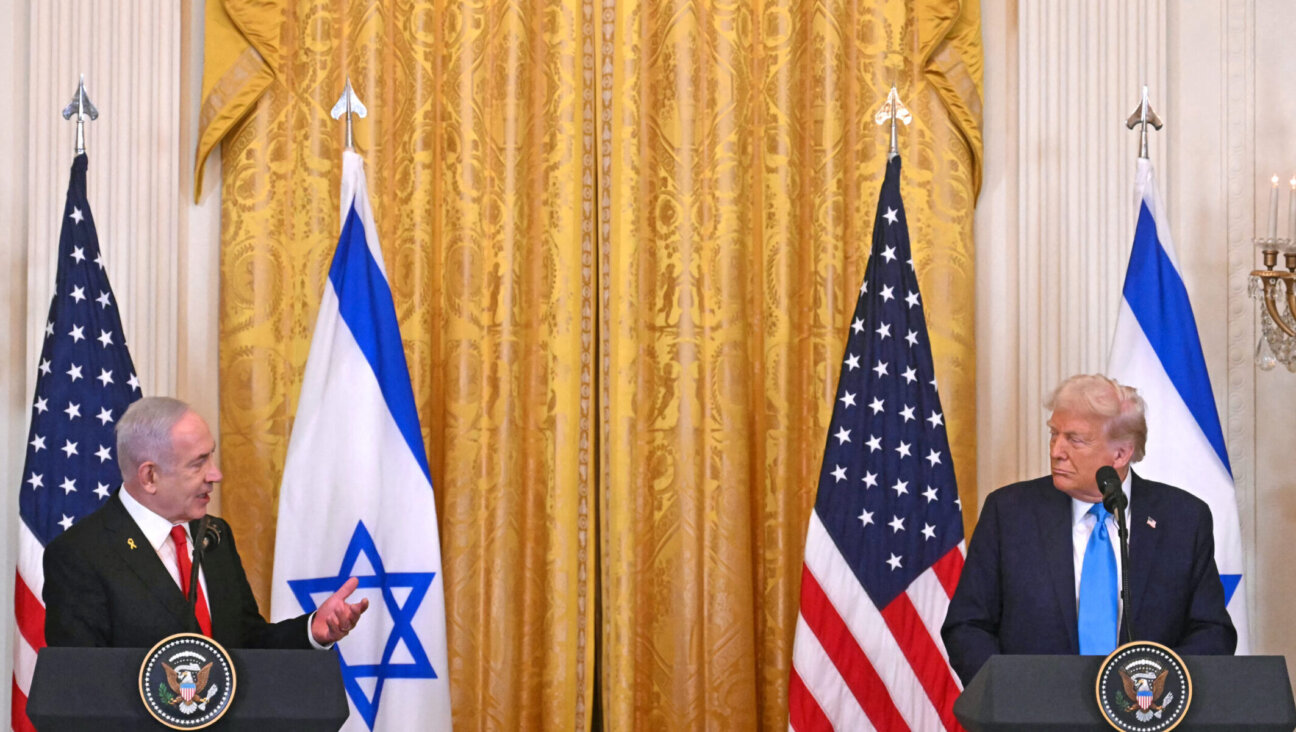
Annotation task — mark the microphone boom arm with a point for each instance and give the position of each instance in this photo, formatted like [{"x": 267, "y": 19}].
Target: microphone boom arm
[
  {"x": 1115, "y": 501},
  {"x": 199, "y": 544},
  {"x": 1123, "y": 531}
]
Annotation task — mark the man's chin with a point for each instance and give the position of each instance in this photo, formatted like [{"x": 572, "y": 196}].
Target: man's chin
[
  {"x": 199, "y": 509},
  {"x": 1068, "y": 485}
]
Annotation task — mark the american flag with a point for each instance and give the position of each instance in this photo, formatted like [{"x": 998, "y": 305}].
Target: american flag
[
  {"x": 84, "y": 382},
  {"x": 885, "y": 544}
]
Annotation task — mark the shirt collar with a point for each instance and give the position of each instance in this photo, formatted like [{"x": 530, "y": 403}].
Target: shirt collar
[
  {"x": 1079, "y": 508},
  {"x": 156, "y": 529}
]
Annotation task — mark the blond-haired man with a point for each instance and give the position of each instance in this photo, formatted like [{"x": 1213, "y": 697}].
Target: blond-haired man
[{"x": 1028, "y": 580}]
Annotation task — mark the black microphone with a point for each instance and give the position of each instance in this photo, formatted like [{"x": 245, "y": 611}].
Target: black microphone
[
  {"x": 1109, "y": 483},
  {"x": 211, "y": 535},
  {"x": 210, "y": 532},
  {"x": 1115, "y": 501}
]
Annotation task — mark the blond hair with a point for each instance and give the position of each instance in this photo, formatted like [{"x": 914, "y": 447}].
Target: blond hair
[{"x": 1121, "y": 409}]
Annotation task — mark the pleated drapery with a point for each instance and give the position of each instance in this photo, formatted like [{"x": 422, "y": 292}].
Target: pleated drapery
[{"x": 624, "y": 240}]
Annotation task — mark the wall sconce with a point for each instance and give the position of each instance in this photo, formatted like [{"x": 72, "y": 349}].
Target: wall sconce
[{"x": 1274, "y": 288}]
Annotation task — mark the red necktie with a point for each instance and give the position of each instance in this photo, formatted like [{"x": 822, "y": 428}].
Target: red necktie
[{"x": 181, "y": 541}]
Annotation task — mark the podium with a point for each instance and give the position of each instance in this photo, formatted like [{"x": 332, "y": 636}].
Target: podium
[
  {"x": 1057, "y": 694},
  {"x": 97, "y": 690}
]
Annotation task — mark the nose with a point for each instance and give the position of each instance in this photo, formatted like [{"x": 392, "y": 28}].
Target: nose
[
  {"x": 1055, "y": 448},
  {"x": 214, "y": 473}
]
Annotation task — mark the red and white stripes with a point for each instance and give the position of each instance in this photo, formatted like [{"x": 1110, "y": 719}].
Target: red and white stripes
[
  {"x": 29, "y": 625},
  {"x": 856, "y": 666}
]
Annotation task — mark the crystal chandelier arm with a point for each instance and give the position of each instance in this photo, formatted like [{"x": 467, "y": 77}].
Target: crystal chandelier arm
[
  {"x": 1291, "y": 304},
  {"x": 1269, "y": 294}
]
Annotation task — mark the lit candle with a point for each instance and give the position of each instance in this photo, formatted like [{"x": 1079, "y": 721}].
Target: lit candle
[
  {"x": 1273, "y": 208},
  {"x": 1291, "y": 210}
]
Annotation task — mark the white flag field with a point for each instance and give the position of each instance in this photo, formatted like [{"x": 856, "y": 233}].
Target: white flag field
[
  {"x": 356, "y": 498},
  {"x": 1156, "y": 349}
]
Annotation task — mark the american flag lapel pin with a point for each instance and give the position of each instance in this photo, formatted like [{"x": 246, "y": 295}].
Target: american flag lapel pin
[{"x": 1151, "y": 522}]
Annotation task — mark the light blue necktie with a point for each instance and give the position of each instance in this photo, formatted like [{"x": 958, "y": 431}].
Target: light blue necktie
[{"x": 1099, "y": 610}]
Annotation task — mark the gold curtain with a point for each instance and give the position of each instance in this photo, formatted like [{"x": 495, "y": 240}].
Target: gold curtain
[
  {"x": 624, "y": 239},
  {"x": 744, "y": 171}
]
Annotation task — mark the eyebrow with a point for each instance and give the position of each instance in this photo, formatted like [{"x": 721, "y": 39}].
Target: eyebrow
[{"x": 1064, "y": 432}]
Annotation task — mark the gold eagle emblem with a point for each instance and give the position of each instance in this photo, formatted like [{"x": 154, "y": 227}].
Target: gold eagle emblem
[
  {"x": 1132, "y": 688},
  {"x": 187, "y": 685}
]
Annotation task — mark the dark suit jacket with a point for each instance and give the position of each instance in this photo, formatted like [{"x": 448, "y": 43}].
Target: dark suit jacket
[
  {"x": 101, "y": 592},
  {"x": 1017, "y": 590}
]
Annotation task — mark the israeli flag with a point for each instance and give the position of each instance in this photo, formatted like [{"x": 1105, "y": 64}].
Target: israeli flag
[
  {"x": 356, "y": 498},
  {"x": 1157, "y": 351}
]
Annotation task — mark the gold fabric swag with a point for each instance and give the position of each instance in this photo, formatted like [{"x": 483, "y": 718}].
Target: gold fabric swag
[{"x": 624, "y": 240}]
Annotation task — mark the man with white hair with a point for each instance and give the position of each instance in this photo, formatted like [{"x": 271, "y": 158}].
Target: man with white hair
[
  {"x": 121, "y": 576},
  {"x": 1041, "y": 569}
]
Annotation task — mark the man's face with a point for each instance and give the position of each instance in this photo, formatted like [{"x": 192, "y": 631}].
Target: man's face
[
  {"x": 181, "y": 486},
  {"x": 1078, "y": 446}
]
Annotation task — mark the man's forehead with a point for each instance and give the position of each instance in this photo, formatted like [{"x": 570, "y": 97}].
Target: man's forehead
[
  {"x": 1065, "y": 420},
  {"x": 192, "y": 433}
]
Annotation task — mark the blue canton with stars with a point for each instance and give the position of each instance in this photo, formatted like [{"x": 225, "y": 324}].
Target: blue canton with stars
[
  {"x": 419, "y": 667},
  {"x": 85, "y": 380},
  {"x": 887, "y": 494}
]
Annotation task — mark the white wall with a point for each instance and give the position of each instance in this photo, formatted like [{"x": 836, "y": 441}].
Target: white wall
[
  {"x": 1055, "y": 223},
  {"x": 13, "y": 310}
]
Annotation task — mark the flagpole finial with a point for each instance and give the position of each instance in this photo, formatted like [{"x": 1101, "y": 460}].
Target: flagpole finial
[
  {"x": 893, "y": 109},
  {"x": 1143, "y": 115},
  {"x": 82, "y": 108},
  {"x": 350, "y": 105}
]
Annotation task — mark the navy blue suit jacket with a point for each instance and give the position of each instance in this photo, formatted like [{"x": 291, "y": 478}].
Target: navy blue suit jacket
[
  {"x": 1017, "y": 591},
  {"x": 105, "y": 586}
]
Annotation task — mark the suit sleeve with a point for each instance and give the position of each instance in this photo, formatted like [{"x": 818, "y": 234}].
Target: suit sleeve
[
  {"x": 253, "y": 630},
  {"x": 76, "y": 602},
  {"x": 1208, "y": 629},
  {"x": 971, "y": 629}
]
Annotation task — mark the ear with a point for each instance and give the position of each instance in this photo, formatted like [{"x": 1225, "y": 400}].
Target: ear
[
  {"x": 1121, "y": 458},
  {"x": 146, "y": 475}
]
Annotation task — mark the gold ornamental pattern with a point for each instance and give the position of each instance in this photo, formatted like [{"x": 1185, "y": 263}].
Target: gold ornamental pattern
[{"x": 624, "y": 239}]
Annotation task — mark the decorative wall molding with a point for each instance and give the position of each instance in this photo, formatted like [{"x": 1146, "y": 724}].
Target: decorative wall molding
[
  {"x": 1055, "y": 221},
  {"x": 1238, "y": 31},
  {"x": 129, "y": 52}
]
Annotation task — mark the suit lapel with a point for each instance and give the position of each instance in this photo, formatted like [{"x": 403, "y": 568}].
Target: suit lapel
[
  {"x": 1053, "y": 517},
  {"x": 123, "y": 532},
  {"x": 1144, "y": 545}
]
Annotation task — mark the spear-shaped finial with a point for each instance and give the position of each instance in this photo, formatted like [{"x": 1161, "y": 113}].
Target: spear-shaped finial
[
  {"x": 893, "y": 109},
  {"x": 348, "y": 104},
  {"x": 1143, "y": 115},
  {"x": 82, "y": 108}
]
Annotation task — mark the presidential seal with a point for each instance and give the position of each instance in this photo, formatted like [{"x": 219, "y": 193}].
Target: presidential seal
[
  {"x": 187, "y": 681},
  {"x": 1143, "y": 687}
]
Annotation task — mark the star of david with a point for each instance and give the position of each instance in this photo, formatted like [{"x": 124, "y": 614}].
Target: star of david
[{"x": 402, "y": 616}]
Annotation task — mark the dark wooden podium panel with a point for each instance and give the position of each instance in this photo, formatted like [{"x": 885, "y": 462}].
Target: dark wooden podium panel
[
  {"x": 97, "y": 690},
  {"x": 1056, "y": 694}
]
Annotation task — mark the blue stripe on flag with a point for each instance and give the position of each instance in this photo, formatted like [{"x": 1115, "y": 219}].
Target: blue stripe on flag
[
  {"x": 1157, "y": 296},
  {"x": 366, "y": 305}
]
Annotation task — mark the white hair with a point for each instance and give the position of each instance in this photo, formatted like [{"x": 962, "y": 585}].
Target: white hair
[{"x": 144, "y": 433}]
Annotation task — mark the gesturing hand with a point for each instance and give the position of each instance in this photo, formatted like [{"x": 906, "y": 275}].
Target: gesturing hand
[{"x": 336, "y": 617}]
